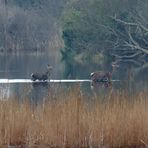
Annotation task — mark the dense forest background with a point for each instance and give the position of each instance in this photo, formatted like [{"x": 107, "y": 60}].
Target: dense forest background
[{"x": 88, "y": 34}]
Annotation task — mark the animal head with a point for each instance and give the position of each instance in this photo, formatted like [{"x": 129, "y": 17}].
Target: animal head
[
  {"x": 114, "y": 65},
  {"x": 32, "y": 74},
  {"x": 48, "y": 70}
]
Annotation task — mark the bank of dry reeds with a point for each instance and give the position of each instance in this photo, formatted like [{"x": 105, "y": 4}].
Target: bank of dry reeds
[{"x": 71, "y": 121}]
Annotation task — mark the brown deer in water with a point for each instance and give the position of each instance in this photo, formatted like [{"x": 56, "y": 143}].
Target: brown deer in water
[
  {"x": 42, "y": 76},
  {"x": 103, "y": 79}
]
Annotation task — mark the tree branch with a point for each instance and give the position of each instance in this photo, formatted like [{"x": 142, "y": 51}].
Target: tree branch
[
  {"x": 124, "y": 22},
  {"x": 135, "y": 44}
]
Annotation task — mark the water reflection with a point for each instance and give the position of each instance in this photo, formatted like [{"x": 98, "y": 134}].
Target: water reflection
[
  {"x": 38, "y": 92},
  {"x": 4, "y": 92},
  {"x": 22, "y": 65},
  {"x": 131, "y": 77},
  {"x": 34, "y": 92}
]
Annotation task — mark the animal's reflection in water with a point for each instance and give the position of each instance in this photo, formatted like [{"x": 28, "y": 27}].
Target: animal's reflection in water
[
  {"x": 101, "y": 81},
  {"x": 46, "y": 92},
  {"x": 40, "y": 92},
  {"x": 101, "y": 92}
]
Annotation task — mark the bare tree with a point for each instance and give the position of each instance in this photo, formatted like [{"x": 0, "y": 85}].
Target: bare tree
[{"x": 130, "y": 40}]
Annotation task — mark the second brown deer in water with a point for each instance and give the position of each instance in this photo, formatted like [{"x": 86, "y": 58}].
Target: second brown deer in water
[{"x": 101, "y": 78}]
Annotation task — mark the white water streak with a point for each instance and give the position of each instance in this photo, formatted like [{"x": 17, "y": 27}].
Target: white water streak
[{"x": 3, "y": 81}]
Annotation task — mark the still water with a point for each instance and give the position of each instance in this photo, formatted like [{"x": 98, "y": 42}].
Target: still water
[{"x": 20, "y": 66}]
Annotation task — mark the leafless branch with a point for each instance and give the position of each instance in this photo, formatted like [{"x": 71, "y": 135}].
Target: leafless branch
[
  {"x": 135, "y": 44},
  {"x": 143, "y": 27},
  {"x": 124, "y": 22}
]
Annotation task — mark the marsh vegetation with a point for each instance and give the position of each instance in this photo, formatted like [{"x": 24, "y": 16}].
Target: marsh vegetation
[{"x": 71, "y": 120}]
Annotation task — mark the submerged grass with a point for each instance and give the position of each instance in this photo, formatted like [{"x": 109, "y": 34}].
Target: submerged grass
[{"x": 71, "y": 121}]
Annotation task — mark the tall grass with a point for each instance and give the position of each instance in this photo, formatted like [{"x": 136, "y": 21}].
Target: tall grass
[{"x": 70, "y": 121}]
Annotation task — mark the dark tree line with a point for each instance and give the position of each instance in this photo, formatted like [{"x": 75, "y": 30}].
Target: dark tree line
[{"x": 108, "y": 31}]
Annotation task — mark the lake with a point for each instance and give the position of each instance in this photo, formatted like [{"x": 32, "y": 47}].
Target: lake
[{"x": 21, "y": 65}]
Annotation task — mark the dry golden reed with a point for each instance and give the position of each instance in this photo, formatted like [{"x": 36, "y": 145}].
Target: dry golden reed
[{"x": 71, "y": 121}]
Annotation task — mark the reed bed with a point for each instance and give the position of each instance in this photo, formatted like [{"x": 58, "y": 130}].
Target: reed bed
[{"x": 68, "y": 120}]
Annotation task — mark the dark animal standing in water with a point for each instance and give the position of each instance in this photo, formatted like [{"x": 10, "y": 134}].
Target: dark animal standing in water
[
  {"x": 41, "y": 76},
  {"x": 100, "y": 78}
]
